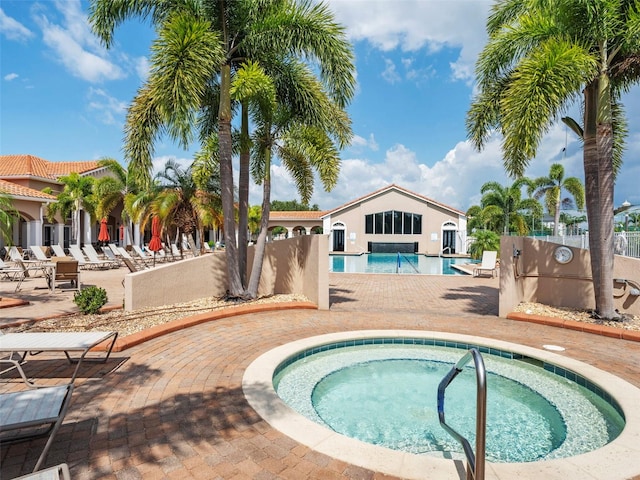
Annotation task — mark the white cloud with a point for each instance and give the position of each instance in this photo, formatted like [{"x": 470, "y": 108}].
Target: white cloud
[
  {"x": 110, "y": 110},
  {"x": 360, "y": 143},
  {"x": 75, "y": 46},
  {"x": 142, "y": 68},
  {"x": 413, "y": 25},
  {"x": 390, "y": 73},
  {"x": 12, "y": 29},
  {"x": 455, "y": 180},
  {"x": 11, "y": 76}
]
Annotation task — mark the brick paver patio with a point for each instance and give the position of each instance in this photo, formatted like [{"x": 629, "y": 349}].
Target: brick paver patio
[{"x": 173, "y": 407}]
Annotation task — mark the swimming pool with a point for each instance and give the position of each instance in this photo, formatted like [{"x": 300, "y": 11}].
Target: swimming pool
[
  {"x": 405, "y": 263},
  {"x": 612, "y": 461}
]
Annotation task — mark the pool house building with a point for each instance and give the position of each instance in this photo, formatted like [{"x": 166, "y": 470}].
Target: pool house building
[{"x": 394, "y": 219}]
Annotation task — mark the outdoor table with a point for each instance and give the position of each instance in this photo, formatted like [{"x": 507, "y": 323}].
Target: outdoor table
[{"x": 37, "y": 342}]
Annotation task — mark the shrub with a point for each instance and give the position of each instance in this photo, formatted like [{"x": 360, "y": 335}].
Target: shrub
[
  {"x": 484, "y": 240},
  {"x": 91, "y": 299}
]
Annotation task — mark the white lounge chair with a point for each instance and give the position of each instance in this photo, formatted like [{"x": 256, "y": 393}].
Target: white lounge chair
[
  {"x": 142, "y": 255},
  {"x": 125, "y": 255},
  {"x": 77, "y": 254},
  {"x": 488, "y": 264},
  {"x": 10, "y": 272},
  {"x": 36, "y": 412},
  {"x": 59, "y": 472},
  {"x": 97, "y": 262},
  {"x": 110, "y": 254},
  {"x": 39, "y": 253},
  {"x": 58, "y": 251},
  {"x": 20, "y": 344}
]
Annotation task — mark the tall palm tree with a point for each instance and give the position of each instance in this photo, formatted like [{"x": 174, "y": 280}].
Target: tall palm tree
[
  {"x": 551, "y": 188},
  {"x": 76, "y": 196},
  {"x": 508, "y": 205},
  {"x": 290, "y": 126},
  {"x": 541, "y": 56},
  {"x": 200, "y": 44},
  {"x": 7, "y": 216}
]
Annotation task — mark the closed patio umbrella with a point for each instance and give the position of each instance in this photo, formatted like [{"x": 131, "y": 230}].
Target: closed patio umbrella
[
  {"x": 155, "y": 245},
  {"x": 103, "y": 236}
]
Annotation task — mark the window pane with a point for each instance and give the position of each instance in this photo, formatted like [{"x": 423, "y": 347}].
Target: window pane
[
  {"x": 417, "y": 224},
  {"x": 368, "y": 223},
  {"x": 388, "y": 222},
  {"x": 407, "y": 224},
  {"x": 397, "y": 223},
  {"x": 378, "y": 223}
]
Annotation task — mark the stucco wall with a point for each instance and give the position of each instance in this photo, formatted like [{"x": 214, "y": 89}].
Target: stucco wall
[
  {"x": 296, "y": 265},
  {"x": 534, "y": 276}
]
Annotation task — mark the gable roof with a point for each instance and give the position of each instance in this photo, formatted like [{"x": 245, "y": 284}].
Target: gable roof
[
  {"x": 32, "y": 166},
  {"x": 395, "y": 187},
  {"x": 18, "y": 191}
]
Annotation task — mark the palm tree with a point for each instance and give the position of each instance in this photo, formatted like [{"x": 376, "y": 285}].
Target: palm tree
[
  {"x": 293, "y": 130},
  {"x": 551, "y": 188},
  {"x": 484, "y": 240},
  {"x": 7, "y": 216},
  {"x": 540, "y": 57},
  {"x": 113, "y": 190},
  {"x": 76, "y": 195},
  {"x": 507, "y": 205},
  {"x": 200, "y": 44}
]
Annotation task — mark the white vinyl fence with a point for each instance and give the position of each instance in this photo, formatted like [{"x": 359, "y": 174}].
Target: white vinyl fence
[{"x": 624, "y": 243}]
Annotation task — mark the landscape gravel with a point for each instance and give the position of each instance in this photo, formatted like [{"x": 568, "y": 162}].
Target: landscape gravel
[{"x": 629, "y": 322}]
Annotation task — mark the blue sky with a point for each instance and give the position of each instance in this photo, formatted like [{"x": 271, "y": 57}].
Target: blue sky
[{"x": 64, "y": 97}]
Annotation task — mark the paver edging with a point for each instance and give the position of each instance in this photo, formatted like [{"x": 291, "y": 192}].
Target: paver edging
[
  {"x": 593, "y": 328},
  {"x": 123, "y": 343}
]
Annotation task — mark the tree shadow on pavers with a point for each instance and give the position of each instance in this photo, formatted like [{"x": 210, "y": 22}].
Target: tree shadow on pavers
[
  {"x": 340, "y": 295},
  {"x": 478, "y": 300},
  {"x": 86, "y": 418},
  {"x": 163, "y": 432}
]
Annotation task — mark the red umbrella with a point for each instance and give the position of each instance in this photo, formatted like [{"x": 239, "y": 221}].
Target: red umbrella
[
  {"x": 155, "y": 244},
  {"x": 103, "y": 236}
]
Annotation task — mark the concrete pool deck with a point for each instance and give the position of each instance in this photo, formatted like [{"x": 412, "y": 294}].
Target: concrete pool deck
[{"x": 173, "y": 407}]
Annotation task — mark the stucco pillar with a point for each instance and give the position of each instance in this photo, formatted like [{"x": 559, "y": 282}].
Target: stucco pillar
[
  {"x": 59, "y": 234},
  {"x": 136, "y": 234},
  {"x": 289, "y": 232},
  {"x": 87, "y": 228}
]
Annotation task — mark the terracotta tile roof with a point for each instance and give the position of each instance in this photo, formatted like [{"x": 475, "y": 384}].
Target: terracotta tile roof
[
  {"x": 30, "y": 165},
  {"x": 16, "y": 190},
  {"x": 296, "y": 215},
  {"x": 393, "y": 186}
]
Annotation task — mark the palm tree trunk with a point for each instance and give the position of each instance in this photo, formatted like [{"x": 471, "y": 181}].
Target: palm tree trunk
[
  {"x": 235, "y": 289},
  {"x": 258, "y": 258},
  {"x": 243, "y": 194},
  {"x": 556, "y": 215},
  {"x": 604, "y": 298},
  {"x": 591, "y": 183}
]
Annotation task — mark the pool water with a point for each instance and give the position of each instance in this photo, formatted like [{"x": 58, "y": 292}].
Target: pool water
[
  {"x": 387, "y": 395},
  {"x": 406, "y": 263}
]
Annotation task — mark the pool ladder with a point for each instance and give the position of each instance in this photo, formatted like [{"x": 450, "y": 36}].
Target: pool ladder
[{"x": 475, "y": 463}]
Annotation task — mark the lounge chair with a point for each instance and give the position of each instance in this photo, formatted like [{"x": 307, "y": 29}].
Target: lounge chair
[
  {"x": 488, "y": 264},
  {"x": 77, "y": 254},
  {"x": 142, "y": 255},
  {"x": 125, "y": 255},
  {"x": 19, "y": 345},
  {"x": 110, "y": 254},
  {"x": 39, "y": 253},
  {"x": 97, "y": 262},
  {"x": 10, "y": 272},
  {"x": 58, "y": 251},
  {"x": 36, "y": 412},
  {"x": 59, "y": 472}
]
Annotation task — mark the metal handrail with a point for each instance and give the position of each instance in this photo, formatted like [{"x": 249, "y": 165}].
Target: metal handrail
[{"x": 475, "y": 462}]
